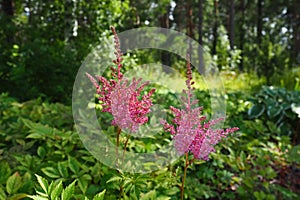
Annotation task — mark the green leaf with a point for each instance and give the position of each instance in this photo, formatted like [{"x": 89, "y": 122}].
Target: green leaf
[
  {"x": 273, "y": 111},
  {"x": 114, "y": 179},
  {"x": 256, "y": 111},
  {"x": 68, "y": 192},
  {"x": 35, "y": 197},
  {"x": 5, "y": 171},
  {"x": 38, "y": 131},
  {"x": 50, "y": 172},
  {"x": 2, "y": 194},
  {"x": 294, "y": 154},
  {"x": 41, "y": 151},
  {"x": 57, "y": 191},
  {"x": 17, "y": 196},
  {"x": 62, "y": 168},
  {"x": 149, "y": 196},
  {"x": 100, "y": 196},
  {"x": 83, "y": 184},
  {"x": 43, "y": 183},
  {"x": 13, "y": 183},
  {"x": 73, "y": 164}
]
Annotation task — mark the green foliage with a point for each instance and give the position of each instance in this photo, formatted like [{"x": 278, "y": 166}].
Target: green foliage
[
  {"x": 287, "y": 78},
  {"x": 38, "y": 138},
  {"x": 44, "y": 44},
  {"x": 13, "y": 186},
  {"x": 56, "y": 191},
  {"x": 274, "y": 107}
]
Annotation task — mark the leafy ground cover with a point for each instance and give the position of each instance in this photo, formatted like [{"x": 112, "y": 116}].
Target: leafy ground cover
[{"x": 42, "y": 156}]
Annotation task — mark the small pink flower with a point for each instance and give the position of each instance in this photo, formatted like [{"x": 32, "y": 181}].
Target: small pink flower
[
  {"x": 190, "y": 131},
  {"x": 121, "y": 97}
]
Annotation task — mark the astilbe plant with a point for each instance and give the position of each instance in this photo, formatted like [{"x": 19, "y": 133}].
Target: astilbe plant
[
  {"x": 122, "y": 97},
  {"x": 191, "y": 131}
]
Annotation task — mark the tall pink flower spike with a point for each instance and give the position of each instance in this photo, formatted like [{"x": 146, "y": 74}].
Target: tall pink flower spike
[
  {"x": 120, "y": 97},
  {"x": 190, "y": 131}
]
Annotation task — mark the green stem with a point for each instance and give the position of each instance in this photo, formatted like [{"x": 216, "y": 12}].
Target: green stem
[
  {"x": 117, "y": 147},
  {"x": 184, "y": 174},
  {"x": 124, "y": 150}
]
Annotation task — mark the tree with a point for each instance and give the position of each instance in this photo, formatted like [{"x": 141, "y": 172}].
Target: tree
[
  {"x": 259, "y": 21},
  {"x": 296, "y": 31},
  {"x": 215, "y": 27},
  {"x": 201, "y": 67},
  {"x": 231, "y": 24}
]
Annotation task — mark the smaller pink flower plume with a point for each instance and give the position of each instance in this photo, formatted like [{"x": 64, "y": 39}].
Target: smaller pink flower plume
[
  {"x": 190, "y": 131},
  {"x": 123, "y": 98}
]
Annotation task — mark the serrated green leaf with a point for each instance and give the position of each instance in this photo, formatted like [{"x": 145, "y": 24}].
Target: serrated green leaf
[
  {"x": 56, "y": 191},
  {"x": 83, "y": 184},
  {"x": 100, "y": 196},
  {"x": 114, "y": 179},
  {"x": 43, "y": 183},
  {"x": 5, "y": 171},
  {"x": 17, "y": 196},
  {"x": 2, "y": 194},
  {"x": 50, "y": 172},
  {"x": 295, "y": 154},
  {"x": 63, "y": 169},
  {"x": 13, "y": 183},
  {"x": 41, "y": 151},
  {"x": 35, "y": 197},
  {"x": 35, "y": 136},
  {"x": 73, "y": 165},
  {"x": 38, "y": 130},
  {"x": 42, "y": 194},
  {"x": 68, "y": 192},
  {"x": 149, "y": 196}
]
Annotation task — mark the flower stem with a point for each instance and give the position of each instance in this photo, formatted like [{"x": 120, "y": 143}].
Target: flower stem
[
  {"x": 117, "y": 147},
  {"x": 184, "y": 174},
  {"x": 124, "y": 150}
]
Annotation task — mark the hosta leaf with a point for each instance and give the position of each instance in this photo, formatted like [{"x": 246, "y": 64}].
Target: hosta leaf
[
  {"x": 256, "y": 111},
  {"x": 273, "y": 111},
  {"x": 13, "y": 183}
]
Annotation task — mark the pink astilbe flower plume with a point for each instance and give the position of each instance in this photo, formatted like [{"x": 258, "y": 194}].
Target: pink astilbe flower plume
[
  {"x": 120, "y": 97},
  {"x": 190, "y": 131}
]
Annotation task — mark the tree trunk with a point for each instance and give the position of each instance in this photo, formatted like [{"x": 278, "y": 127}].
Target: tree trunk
[
  {"x": 242, "y": 34},
  {"x": 8, "y": 7},
  {"x": 231, "y": 24},
  {"x": 296, "y": 30},
  {"x": 201, "y": 67},
  {"x": 8, "y": 10},
  {"x": 189, "y": 14},
  {"x": 165, "y": 56},
  {"x": 215, "y": 28},
  {"x": 259, "y": 22}
]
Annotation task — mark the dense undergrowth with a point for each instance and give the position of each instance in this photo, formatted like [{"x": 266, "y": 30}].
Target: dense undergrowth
[{"x": 42, "y": 155}]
